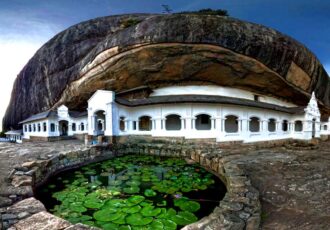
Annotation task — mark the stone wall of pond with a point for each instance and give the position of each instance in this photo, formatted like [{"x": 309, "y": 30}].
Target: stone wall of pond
[{"x": 240, "y": 208}]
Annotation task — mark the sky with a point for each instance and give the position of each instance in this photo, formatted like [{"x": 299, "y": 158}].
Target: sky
[{"x": 25, "y": 25}]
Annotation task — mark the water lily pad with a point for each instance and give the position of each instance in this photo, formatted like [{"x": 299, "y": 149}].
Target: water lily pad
[
  {"x": 106, "y": 216},
  {"x": 133, "y": 183},
  {"x": 133, "y": 209},
  {"x": 187, "y": 205},
  {"x": 125, "y": 227},
  {"x": 157, "y": 225},
  {"x": 124, "y": 177},
  {"x": 93, "y": 203},
  {"x": 109, "y": 226},
  {"x": 135, "y": 199},
  {"x": 166, "y": 213},
  {"x": 150, "y": 211},
  {"x": 137, "y": 219},
  {"x": 115, "y": 203},
  {"x": 121, "y": 219},
  {"x": 184, "y": 218},
  {"x": 77, "y": 207},
  {"x": 131, "y": 190},
  {"x": 168, "y": 224},
  {"x": 115, "y": 182},
  {"x": 162, "y": 203},
  {"x": 150, "y": 193}
]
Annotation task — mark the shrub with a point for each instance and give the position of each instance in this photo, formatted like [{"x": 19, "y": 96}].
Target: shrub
[
  {"x": 129, "y": 22},
  {"x": 207, "y": 11}
]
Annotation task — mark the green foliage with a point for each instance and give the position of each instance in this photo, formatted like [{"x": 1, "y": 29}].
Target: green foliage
[
  {"x": 129, "y": 22},
  {"x": 131, "y": 193},
  {"x": 207, "y": 11},
  {"x": 2, "y": 134}
]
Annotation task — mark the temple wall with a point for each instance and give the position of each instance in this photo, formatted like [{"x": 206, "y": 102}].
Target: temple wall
[{"x": 218, "y": 91}]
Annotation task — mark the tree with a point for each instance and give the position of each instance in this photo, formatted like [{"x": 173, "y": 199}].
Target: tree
[
  {"x": 166, "y": 9},
  {"x": 207, "y": 11}
]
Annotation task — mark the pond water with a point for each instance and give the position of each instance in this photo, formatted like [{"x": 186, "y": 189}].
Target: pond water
[{"x": 133, "y": 192}]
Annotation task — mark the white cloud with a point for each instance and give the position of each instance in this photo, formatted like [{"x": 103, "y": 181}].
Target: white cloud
[{"x": 18, "y": 43}]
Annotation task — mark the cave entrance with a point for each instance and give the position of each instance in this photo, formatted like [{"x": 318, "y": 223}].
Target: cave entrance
[
  {"x": 99, "y": 122},
  {"x": 63, "y": 128}
]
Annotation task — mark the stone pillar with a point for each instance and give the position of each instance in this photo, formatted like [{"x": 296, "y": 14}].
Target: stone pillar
[
  {"x": 88, "y": 139},
  {"x": 100, "y": 139}
]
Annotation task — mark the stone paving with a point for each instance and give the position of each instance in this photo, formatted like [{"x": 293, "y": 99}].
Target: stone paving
[
  {"x": 293, "y": 180},
  {"x": 13, "y": 155}
]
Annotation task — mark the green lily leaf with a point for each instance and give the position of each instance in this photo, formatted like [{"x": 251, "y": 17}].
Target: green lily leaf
[
  {"x": 150, "y": 211},
  {"x": 106, "y": 216},
  {"x": 150, "y": 193},
  {"x": 135, "y": 199},
  {"x": 133, "y": 209},
  {"x": 131, "y": 190},
  {"x": 137, "y": 219},
  {"x": 184, "y": 218}
]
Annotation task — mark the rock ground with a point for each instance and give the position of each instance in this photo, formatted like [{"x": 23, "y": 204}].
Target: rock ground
[
  {"x": 13, "y": 155},
  {"x": 293, "y": 181}
]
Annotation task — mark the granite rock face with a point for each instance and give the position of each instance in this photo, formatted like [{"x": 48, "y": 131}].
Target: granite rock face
[{"x": 127, "y": 51}]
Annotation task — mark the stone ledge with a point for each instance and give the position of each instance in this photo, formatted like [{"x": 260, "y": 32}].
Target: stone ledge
[{"x": 240, "y": 208}]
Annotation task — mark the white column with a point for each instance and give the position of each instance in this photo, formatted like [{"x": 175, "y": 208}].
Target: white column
[
  {"x": 183, "y": 124},
  {"x": 243, "y": 127},
  {"x": 213, "y": 124},
  {"x": 193, "y": 123},
  {"x": 109, "y": 120}
]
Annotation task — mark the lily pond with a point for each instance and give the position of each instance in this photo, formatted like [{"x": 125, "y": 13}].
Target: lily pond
[{"x": 134, "y": 192}]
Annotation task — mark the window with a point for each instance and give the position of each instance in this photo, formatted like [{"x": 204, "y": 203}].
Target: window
[
  {"x": 325, "y": 127},
  {"x": 25, "y": 128},
  {"x": 203, "y": 122},
  {"x": 298, "y": 126},
  {"x": 39, "y": 127},
  {"x": 73, "y": 126},
  {"x": 271, "y": 125},
  {"x": 45, "y": 126},
  {"x": 145, "y": 123},
  {"x": 254, "y": 124},
  {"x": 82, "y": 126},
  {"x": 52, "y": 127},
  {"x": 134, "y": 125},
  {"x": 256, "y": 98},
  {"x": 231, "y": 124},
  {"x": 285, "y": 126},
  {"x": 173, "y": 122},
  {"x": 30, "y": 128},
  {"x": 122, "y": 123},
  {"x": 34, "y": 127}
]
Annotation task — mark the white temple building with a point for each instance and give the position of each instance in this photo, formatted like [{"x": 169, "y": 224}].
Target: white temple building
[
  {"x": 193, "y": 112},
  {"x": 52, "y": 124}
]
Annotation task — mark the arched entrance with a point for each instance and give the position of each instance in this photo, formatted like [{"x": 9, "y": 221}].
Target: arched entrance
[
  {"x": 145, "y": 123},
  {"x": 231, "y": 124},
  {"x": 63, "y": 128},
  {"x": 203, "y": 122},
  {"x": 173, "y": 122},
  {"x": 99, "y": 126}
]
